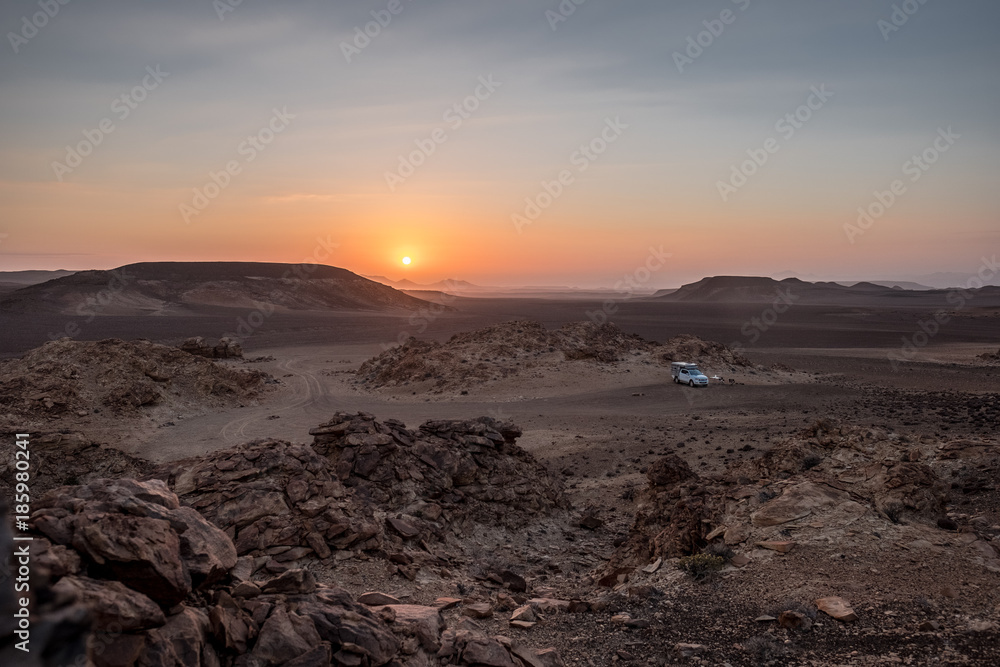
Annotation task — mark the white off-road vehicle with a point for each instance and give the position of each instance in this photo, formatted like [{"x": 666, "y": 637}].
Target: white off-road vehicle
[{"x": 687, "y": 373}]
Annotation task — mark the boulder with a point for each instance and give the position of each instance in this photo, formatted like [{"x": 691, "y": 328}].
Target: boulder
[
  {"x": 339, "y": 620},
  {"x": 487, "y": 652},
  {"x": 112, "y": 604},
  {"x": 798, "y": 501},
  {"x": 178, "y": 643},
  {"x": 285, "y": 635},
  {"x": 838, "y": 608}
]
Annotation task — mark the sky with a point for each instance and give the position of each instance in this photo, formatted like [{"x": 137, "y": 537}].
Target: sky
[{"x": 504, "y": 143}]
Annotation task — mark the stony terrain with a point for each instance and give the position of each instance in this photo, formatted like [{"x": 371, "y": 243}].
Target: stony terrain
[
  {"x": 848, "y": 515},
  {"x": 96, "y": 389},
  {"x": 526, "y": 353},
  {"x": 160, "y": 584}
]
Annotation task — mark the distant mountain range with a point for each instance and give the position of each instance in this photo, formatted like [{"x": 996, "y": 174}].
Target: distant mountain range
[
  {"x": 165, "y": 288},
  {"x": 162, "y": 288},
  {"x": 749, "y": 289},
  {"x": 939, "y": 280},
  {"x": 15, "y": 280}
]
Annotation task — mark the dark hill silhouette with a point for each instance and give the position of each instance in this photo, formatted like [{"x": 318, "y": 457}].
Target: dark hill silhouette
[
  {"x": 755, "y": 289},
  {"x": 192, "y": 287}
]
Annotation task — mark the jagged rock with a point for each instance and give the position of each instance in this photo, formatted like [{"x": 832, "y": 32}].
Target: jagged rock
[
  {"x": 376, "y": 599},
  {"x": 477, "y": 610},
  {"x": 272, "y": 493},
  {"x": 669, "y": 470},
  {"x": 292, "y": 581},
  {"x": 112, "y": 604},
  {"x": 486, "y": 652},
  {"x": 473, "y": 470},
  {"x": 403, "y": 528},
  {"x": 178, "y": 643},
  {"x": 798, "y": 501},
  {"x": 58, "y": 632},
  {"x": 138, "y": 532},
  {"x": 550, "y": 657},
  {"x": 231, "y": 627},
  {"x": 319, "y": 657},
  {"x": 246, "y": 589},
  {"x": 226, "y": 348},
  {"x": 338, "y": 619},
  {"x": 546, "y": 605},
  {"x": 686, "y": 650},
  {"x": 119, "y": 651},
  {"x": 526, "y": 655},
  {"x": 285, "y": 635},
  {"x": 837, "y": 607},
  {"x": 423, "y": 623},
  {"x": 525, "y": 614}
]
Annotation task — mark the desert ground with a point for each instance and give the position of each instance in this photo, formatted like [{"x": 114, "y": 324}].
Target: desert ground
[{"x": 631, "y": 452}]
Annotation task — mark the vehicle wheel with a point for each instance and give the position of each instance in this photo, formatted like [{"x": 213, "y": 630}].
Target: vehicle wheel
[{"x": 690, "y": 383}]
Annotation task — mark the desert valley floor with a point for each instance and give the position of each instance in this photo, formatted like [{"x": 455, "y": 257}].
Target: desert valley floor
[{"x": 815, "y": 468}]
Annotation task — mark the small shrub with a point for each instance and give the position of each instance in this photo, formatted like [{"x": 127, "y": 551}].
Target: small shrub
[
  {"x": 720, "y": 549},
  {"x": 701, "y": 566},
  {"x": 893, "y": 511},
  {"x": 762, "y": 649},
  {"x": 766, "y": 495},
  {"x": 811, "y": 461}
]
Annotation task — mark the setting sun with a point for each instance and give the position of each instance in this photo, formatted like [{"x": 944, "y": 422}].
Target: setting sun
[{"x": 407, "y": 260}]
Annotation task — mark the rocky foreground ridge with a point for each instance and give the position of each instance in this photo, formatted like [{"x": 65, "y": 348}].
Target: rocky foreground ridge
[
  {"x": 135, "y": 574},
  {"x": 841, "y": 545}
]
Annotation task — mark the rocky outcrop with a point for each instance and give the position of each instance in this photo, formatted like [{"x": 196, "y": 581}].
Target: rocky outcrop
[
  {"x": 226, "y": 348},
  {"x": 523, "y": 348},
  {"x": 155, "y": 585},
  {"x": 441, "y": 477},
  {"x": 365, "y": 485},
  {"x": 137, "y": 533},
  {"x": 275, "y": 498},
  {"x": 816, "y": 483},
  {"x": 678, "y": 512}
]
